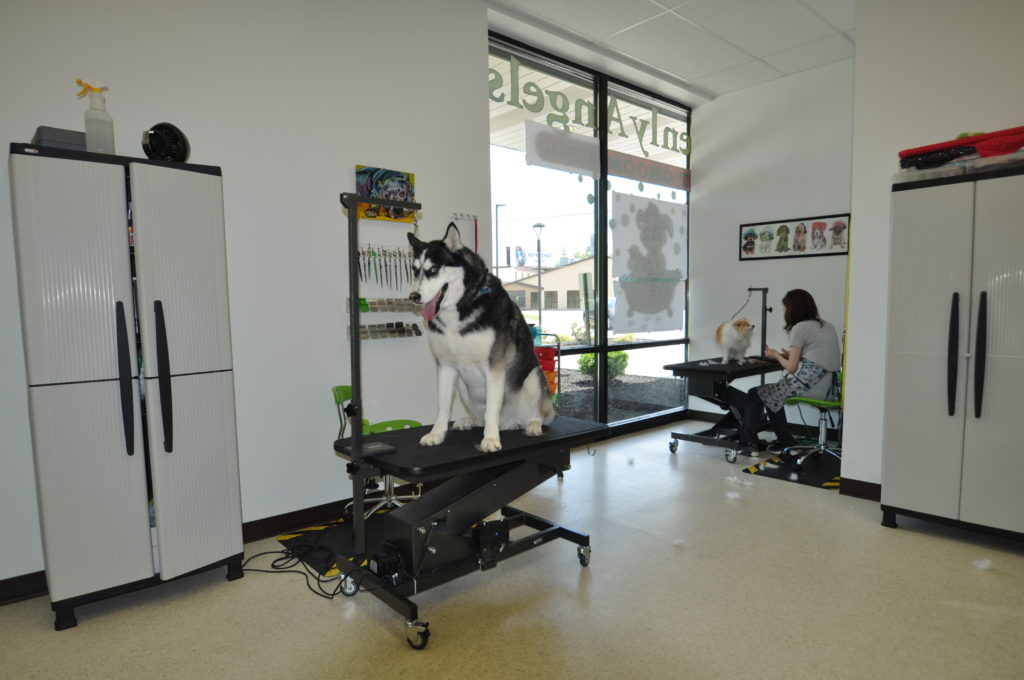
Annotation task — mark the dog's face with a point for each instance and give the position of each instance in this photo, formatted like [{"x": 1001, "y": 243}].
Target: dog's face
[
  {"x": 741, "y": 328},
  {"x": 801, "y": 229},
  {"x": 734, "y": 336},
  {"x": 438, "y": 277}
]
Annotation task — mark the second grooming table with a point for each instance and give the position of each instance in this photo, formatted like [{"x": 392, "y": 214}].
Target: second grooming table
[
  {"x": 442, "y": 535},
  {"x": 708, "y": 379}
]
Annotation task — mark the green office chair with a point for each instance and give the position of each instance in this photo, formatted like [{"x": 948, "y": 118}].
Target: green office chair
[
  {"x": 387, "y": 499},
  {"x": 825, "y": 408},
  {"x": 342, "y": 395}
]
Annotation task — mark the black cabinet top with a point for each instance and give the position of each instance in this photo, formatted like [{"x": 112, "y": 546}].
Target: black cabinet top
[{"x": 51, "y": 152}]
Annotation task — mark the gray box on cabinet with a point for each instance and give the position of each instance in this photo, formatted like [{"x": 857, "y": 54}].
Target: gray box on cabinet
[{"x": 56, "y": 138}]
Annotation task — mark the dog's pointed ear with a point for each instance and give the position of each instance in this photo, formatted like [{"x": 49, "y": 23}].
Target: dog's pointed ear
[
  {"x": 452, "y": 238},
  {"x": 417, "y": 245}
]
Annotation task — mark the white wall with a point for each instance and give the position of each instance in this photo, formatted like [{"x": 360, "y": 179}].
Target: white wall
[
  {"x": 926, "y": 70},
  {"x": 286, "y": 98},
  {"x": 780, "y": 150}
]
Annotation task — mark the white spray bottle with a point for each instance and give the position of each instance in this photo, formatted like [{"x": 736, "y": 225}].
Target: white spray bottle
[{"x": 99, "y": 126}]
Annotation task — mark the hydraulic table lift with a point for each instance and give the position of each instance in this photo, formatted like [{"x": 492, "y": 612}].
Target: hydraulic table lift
[
  {"x": 708, "y": 379},
  {"x": 444, "y": 533}
]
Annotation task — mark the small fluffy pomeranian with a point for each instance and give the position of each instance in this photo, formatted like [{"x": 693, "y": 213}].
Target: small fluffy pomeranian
[{"x": 733, "y": 337}]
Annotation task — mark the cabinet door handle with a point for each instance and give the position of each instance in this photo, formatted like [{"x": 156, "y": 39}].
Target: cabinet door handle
[
  {"x": 163, "y": 368},
  {"x": 980, "y": 351},
  {"x": 124, "y": 378},
  {"x": 952, "y": 350}
]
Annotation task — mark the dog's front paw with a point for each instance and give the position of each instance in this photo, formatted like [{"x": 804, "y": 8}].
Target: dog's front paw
[
  {"x": 432, "y": 439},
  {"x": 464, "y": 424},
  {"x": 534, "y": 429},
  {"x": 489, "y": 444}
]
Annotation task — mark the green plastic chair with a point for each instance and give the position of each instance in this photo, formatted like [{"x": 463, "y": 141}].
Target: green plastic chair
[
  {"x": 387, "y": 499},
  {"x": 825, "y": 407},
  {"x": 342, "y": 395},
  {"x": 389, "y": 425}
]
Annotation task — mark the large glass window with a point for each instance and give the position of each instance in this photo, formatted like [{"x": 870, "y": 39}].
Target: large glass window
[
  {"x": 608, "y": 289},
  {"x": 648, "y": 233}
]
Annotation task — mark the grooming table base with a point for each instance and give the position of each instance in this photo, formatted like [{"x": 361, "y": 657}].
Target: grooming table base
[
  {"x": 443, "y": 534},
  {"x": 709, "y": 379}
]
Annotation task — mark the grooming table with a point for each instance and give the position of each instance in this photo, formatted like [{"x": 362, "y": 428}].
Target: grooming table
[
  {"x": 708, "y": 379},
  {"x": 442, "y": 535}
]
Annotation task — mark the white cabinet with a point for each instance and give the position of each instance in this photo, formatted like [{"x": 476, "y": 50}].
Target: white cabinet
[
  {"x": 128, "y": 359},
  {"x": 955, "y": 354}
]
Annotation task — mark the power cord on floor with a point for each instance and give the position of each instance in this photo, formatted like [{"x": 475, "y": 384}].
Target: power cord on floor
[
  {"x": 288, "y": 559},
  {"x": 286, "y": 562}
]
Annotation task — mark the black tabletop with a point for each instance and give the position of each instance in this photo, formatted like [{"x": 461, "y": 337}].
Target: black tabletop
[
  {"x": 458, "y": 453},
  {"x": 714, "y": 368}
]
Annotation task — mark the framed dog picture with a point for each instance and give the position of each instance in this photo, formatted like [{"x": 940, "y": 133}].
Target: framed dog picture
[
  {"x": 802, "y": 237},
  {"x": 390, "y": 184}
]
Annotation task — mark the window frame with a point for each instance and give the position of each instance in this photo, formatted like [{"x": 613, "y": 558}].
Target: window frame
[{"x": 504, "y": 46}]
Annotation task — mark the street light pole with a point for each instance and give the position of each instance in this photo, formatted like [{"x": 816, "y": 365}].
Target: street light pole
[
  {"x": 497, "y": 261},
  {"x": 540, "y": 289}
]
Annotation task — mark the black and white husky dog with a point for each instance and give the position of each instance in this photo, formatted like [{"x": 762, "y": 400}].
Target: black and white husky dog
[{"x": 479, "y": 337}]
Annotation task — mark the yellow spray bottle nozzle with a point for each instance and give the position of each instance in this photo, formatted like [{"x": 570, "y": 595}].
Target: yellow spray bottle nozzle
[{"x": 87, "y": 88}]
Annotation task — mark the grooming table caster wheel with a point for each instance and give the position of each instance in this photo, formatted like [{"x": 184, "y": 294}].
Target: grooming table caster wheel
[
  {"x": 349, "y": 587},
  {"x": 583, "y": 552},
  {"x": 730, "y": 455},
  {"x": 417, "y": 634},
  {"x": 673, "y": 446}
]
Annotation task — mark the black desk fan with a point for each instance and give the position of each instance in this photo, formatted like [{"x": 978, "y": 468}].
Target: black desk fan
[{"x": 164, "y": 142}]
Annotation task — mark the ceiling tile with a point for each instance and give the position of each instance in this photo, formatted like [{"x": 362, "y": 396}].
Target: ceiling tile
[
  {"x": 671, "y": 44},
  {"x": 839, "y": 13},
  {"x": 596, "y": 19},
  {"x": 738, "y": 77},
  {"x": 761, "y": 28},
  {"x": 820, "y": 53}
]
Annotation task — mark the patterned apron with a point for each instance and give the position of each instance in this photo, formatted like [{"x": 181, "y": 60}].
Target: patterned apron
[{"x": 800, "y": 384}]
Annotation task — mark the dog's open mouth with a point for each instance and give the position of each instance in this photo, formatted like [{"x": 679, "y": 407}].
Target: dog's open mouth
[{"x": 429, "y": 310}]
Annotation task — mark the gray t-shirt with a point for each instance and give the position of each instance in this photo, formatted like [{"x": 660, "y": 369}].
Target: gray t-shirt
[{"x": 817, "y": 343}]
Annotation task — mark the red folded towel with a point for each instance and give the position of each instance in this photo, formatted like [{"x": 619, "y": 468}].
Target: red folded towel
[{"x": 987, "y": 144}]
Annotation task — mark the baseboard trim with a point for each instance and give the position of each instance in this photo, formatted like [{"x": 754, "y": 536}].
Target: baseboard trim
[
  {"x": 869, "y": 491},
  {"x": 290, "y": 521},
  {"x": 705, "y": 416},
  {"x": 22, "y": 587}
]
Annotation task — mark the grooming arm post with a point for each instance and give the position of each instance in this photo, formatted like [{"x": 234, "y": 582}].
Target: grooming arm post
[
  {"x": 351, "y": 201},
  {"x": 764, "y": 321}
]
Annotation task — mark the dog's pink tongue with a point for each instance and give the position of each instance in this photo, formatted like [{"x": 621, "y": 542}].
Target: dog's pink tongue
[{"x": 429, "y": 310}]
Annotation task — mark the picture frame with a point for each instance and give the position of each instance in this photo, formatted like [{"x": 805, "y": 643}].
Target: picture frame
[
  {"x": 817, "y": 236},
  {"x": 394, "y": 185}
]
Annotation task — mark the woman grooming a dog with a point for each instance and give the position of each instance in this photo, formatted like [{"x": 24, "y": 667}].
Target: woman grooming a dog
[{"x": 811, "y": 361}]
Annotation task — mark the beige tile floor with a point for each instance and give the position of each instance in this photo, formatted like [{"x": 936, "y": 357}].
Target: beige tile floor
[{"x": 698, "y": 571}]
